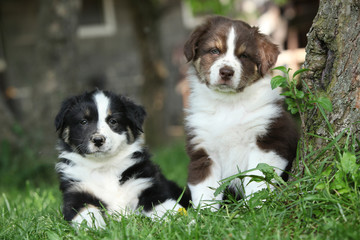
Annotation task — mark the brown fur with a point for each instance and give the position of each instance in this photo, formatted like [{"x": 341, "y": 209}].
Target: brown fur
[
  {"x": 282, "y": 137},
  {"x": 199, "y": 166}
]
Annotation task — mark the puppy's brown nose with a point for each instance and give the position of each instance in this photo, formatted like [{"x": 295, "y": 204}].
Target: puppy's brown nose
[
  {"x": 226, "y": 73},
  {"x": 98, "y": 140}
]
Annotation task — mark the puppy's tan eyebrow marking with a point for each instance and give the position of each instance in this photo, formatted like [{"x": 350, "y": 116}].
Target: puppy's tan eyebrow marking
[
  {"x": 219, "y": 44},
  {"x": 241, "y": 49},
  {"x": 65, "y": 134},
  {"x": 87, "y": 112},
  {"x": 215, "y": 42}
]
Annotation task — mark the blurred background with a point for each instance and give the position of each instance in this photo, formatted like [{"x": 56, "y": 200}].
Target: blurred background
[{"x": 53, "y": 49}]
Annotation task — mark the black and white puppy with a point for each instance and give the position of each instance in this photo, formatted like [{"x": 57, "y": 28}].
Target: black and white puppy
[
  {"x": 235, "y": 120},
  {"x": 103, "y": 163}
]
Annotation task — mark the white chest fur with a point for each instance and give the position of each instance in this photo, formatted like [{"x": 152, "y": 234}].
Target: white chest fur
[
  {"x": 226, "y": 126},
  {"x": 102, "y": 181}
]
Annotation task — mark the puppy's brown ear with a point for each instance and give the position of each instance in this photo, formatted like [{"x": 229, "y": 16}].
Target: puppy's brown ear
[
  {"x": 268, "y": 52},
  {"x": 192, "y": 44}
]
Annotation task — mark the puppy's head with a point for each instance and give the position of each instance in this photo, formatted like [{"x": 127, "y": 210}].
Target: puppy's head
[
  {"x": 99, "y": 123},
  {"x": 229, "y": 55}
]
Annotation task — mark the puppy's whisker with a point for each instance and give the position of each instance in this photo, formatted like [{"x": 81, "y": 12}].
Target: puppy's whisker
[
  {"x": 77, "y": 139},
  {"x": 80, "y": 148}
]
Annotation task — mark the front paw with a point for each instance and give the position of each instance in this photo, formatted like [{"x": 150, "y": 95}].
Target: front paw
[
  {"x": 211, "y": 204},
  {"x": 92, "y": 217}
]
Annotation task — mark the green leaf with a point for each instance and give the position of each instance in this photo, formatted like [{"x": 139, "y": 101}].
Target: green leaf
[
  {"x": 53, "y": 236},
  {"x": 302, "y": 107},
  {"x": 314, "y": 197},
  {"x": 292, "y": 107},
  {"x": 338, "y": 182},
  {"x": 226, "y": 182},
  {"x": 283, "y": 69},
  {"x": 326, "y": 172},
  {"x": 267, "y": 170},
  {"x": 348, "y": 162},
  {"x": 320, "y": 186},
  {"x": 344, "y": 190},
  {"x": 300, "y": 71},
  {"x": 257, "y": 178},
  {"x": 294, "y": 111},
  {"x": 269, "y": 173},
  {"x": 290, "y": 102},
  {"x": 287, "y": 94},
  {"x": 300, "y": 94},
  {"x": 325, "y": 103},
  {"x": 278, "y": 81}
]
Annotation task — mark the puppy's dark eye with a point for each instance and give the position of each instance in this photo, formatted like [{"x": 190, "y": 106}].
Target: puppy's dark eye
[
  {"x": 83, "y": 122},
  {"x": 214, "y": 51},
  {"x": 112, "y": 121},
  {"x": 243, "y": 55}
]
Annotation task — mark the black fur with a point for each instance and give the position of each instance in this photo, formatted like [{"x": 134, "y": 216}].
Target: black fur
[
  {"x": 75, "y": 201},
  {"x": 161, "y": 190}
]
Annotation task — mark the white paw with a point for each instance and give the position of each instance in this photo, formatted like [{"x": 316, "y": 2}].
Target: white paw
[{"x": 92, "y": 216}]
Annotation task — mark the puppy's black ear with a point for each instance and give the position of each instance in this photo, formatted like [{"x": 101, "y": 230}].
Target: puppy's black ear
[
  {"x": 65, "y": 107},
  {"x": 267, "y": 52},
  {"x": 136, "y": 116}
]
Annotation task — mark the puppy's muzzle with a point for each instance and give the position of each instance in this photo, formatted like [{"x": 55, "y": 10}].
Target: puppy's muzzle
[
  {"x": 98, "y": 140},
  {"x": 226, "y": 73}
]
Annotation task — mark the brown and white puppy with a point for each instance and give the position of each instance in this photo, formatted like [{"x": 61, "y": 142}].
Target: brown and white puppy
[{"x": 235, "y": 120}]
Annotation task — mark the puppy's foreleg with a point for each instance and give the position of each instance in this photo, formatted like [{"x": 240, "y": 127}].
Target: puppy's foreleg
[
  {"x": 170, "y": 206},
  {"x": 91, "y": 215},
  {"x": 202, "y": 193},
  {"x": 256, "y": 157}
]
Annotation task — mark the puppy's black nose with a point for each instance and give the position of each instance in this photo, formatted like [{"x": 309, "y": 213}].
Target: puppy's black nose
[
  {"x": 98, "y": 140},
  {"x": 226, "y": 73}
]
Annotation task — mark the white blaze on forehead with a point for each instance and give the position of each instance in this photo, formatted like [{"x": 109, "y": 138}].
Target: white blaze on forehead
[
  {"x": 230, "y": 59},
  {"x": 102, "y": 104},
  {"x": 230, "y": 43}
]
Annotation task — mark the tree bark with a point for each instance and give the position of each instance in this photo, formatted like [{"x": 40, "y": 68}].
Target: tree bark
[
  {"x": 55, "y": 71},
  {"x": 6, "y": 123},
  {"x": 145, "y": 18},
  {"x": 332, "y": 55},
  {"x": 7, "y": 114}
]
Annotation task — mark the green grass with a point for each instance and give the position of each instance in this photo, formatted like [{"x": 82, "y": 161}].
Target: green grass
[
  {"x": 173, "y": 162},
  {"x": 307, "y": 208}
]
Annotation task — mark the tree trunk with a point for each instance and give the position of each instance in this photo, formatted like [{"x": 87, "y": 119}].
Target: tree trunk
[
  {"x": 55, "y": 71},
  {"x": 145, "y": 18},
  {"x": 332, "y": 55},
  {"x": 6, "y": 122},
  {"x": 7, "y": 114}
]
